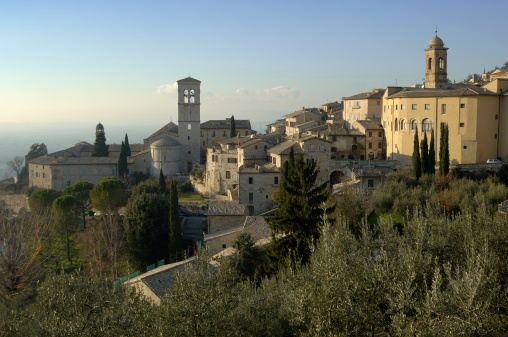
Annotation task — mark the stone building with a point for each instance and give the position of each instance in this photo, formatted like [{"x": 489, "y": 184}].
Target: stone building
[
  {"x": 256, "y": 185},
  {"x": 301, "y": 120},
  {"x": 216, "y": 130},
  {"x": 363, "y": 106},
  {"x": 374, "y": 137},
  {"x": 475, "y": 115}
]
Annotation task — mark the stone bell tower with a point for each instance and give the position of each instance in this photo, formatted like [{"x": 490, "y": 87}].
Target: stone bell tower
[
  {"x": 435, "y": 64},
  {"x": 189, "y": 121}
]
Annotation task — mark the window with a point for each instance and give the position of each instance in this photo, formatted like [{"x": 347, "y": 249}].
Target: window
[
  {"x": 246, "y": 132},
  {"x": 191, "y": 96},
  {"x": 188, "y": 152},
  {"x": 204, "y": 144},
  {"x": 379, "y": 145},
  {"x": 36, "y": 174},
  {"x": 311, "y": 147},
  {"x": 441, "y": 63},
  {"x": 402, "y": 107},
  {"x": 396, "y": 107},
  {"x": 100, "y": 172},
  {"x": 275, "y": 180},
  {"x": 354, "y": 139},
  {"x": 414, "y": 106},
  {"x": 84, "y": 171},
  {"x": 186, "y": 96},
  {"x": 370, "y": 133},
  {"x": 334, "y": 149},
  {"x": 266, "y": 196},
  {"x": 213, "y": 133},
  {"x": 224, "y": 245},
  {"x": 370, "y": 145},
  {"x": 497, "y": 116},
  {"x": 188, "y": 137},
  {"x": 402, "y": 125},
  {"x": 224, "y": 133},
  {"x": 251, "y": 197},
  {"x": 43, "y": 175},
  {"x": 378, "y": 102},
  {"x": 396, "y": 125},
  {"x": 443, "y": 109},
  {"x": 465, "y": 147},
  {"x": 188, "y": 126},
  {"x": 201, "y": 134},
  {"x": 322, "y": 148},
  {"x": 462, "y": 105},
  {"x": 379, "y": 134},
  {"x": 427, "y": 124},
  {"x": 232, "y": 160},
  {"x": 255, "y": 147},
  {"x": 370, "y": 183},
  {"x": 430, "y": 63},
  {"x": 354, "y": 147},
  {"x": 461, "y": 125},
  {"x": 68, "y": 183},
  {"x": 113, "y": 171},
  {"x": 495, "y": 136},
  {"x": 251, "y": 180},
  {"x": 414, "y": 124},
  {"x": 32, "y": 172},
  {"x": 228, "y": 175},
  {"x": 427, "y": 106}
]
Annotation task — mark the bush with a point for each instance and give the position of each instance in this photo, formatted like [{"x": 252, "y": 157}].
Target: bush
[{"x": 185, "y": 187}]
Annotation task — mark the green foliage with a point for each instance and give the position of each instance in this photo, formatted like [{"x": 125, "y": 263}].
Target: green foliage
[
  {"x": 64, "y": 220},
  {"x": 81, "y": 191},
  {"x": 275, "y": 195},
  {"x": 127, "y": 146},
  {"x": 432, "y": 154},
  {"x": 424, "y": 147},
  {"x": 232, "y": 126},
  {"x": 351, "y": 207},
  {"x": 36, "y": 150},
  {"x": 41, "y": 201},
  {"x": 175, "y": 232},
  {"x": 417, "y": 165},
  {"x": 444, "y": 154},
  {"x": 299, "y": 215},
  {"x": 109, "y": 195},
  {"x": 146, "y": 229},
  {"x": 162, "y": 183},
  {"x": 503, "y": 174},
  {"x": 122, "y": 163},
  {"x": 185, "y": 187},
  {"x": 249, "y": 259},
  {"x": 100, "y": 149}
]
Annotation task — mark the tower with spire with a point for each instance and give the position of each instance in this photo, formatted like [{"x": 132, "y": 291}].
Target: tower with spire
[{"x": 436, "y": 63}]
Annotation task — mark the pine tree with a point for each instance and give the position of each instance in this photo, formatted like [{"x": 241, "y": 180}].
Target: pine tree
[
  {"x": 417, "y": 165},
  {"x": 299, "y": 216},
  {"x": 100, "y": 149},
  {"x": 424, "y": 154},
  {"x": 122, "y": 163},
  {"x": 232, "y": 131},
  {"x": 175, "y": 235},
  {"x": 127, "y": 146},
  {"x": 162, "y": 183},
  {"x": 432, "y": 154}
]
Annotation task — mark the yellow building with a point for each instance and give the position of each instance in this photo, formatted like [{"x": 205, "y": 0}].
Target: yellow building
[{"x": 475, "y": 115}]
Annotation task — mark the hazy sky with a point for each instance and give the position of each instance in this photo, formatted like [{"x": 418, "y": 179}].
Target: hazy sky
[{"x": 81, "y": 62}]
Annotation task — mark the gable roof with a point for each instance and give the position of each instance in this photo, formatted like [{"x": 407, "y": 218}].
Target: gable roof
[
  {"x": 374, "y": 123},
  {"x": 282, "y": 148},
  {"x": 188, "y": 79},
  {"x": 226, "y": 124},
  {"x": 366, "y": 95},
  {"x": 454, "y": 90}
]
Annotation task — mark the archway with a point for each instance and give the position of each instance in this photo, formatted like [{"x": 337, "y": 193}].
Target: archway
[{"x": 336, "y": 177}]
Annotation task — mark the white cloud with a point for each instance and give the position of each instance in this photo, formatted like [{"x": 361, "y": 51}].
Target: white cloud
[
  {"x": 167, "y": 88},
  {"x": 242, "y": 91},
  {"x": 281, "y": 92}
]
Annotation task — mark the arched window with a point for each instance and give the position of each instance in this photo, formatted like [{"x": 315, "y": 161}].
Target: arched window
[
  {"x": 441, "y": 63},
  {"x": 191, "y": 97},
  {"x": 188, "y": 126},
  {"x": 430, "y": 63},
  {"x": 371, "y": 155},
  {"x": 396, "y": 125},
  {"x": 403, "y": 124},
  {"x": 186, "y": 96},
  {"x": 427, "y": 124},
  {"x": 414, "y": 124}
]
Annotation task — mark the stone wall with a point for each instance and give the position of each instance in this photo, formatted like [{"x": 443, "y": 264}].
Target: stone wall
[
  {"x": 217, "y": 223},
  {"x": 14, "y": 203}
]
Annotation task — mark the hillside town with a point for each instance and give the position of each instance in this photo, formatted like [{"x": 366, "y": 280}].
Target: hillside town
[{"x": 354, "y": 146}]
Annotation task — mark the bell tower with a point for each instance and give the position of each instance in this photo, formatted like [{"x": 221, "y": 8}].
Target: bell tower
[
  {"x": 189, "y": 121},
  {"x": 435, "y": 64}
]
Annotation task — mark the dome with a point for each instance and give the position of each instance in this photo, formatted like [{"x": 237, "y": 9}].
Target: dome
[
  {"x": 99, "y": 127},
  {"x": 436, "y": 42},
  {"x": 165, "y": 141}
]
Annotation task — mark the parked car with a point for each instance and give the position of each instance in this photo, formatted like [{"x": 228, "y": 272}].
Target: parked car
[{"x": 493, "y": 161}]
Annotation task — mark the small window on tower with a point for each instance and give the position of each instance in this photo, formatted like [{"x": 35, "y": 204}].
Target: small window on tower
[
  {"x": 191, "y": 97},
  {"x": 188, "y": 137},
  {"x": 189, "y": 126}
]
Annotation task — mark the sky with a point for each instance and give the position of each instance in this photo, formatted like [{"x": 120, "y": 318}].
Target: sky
[{"x": 66, "y": 65}]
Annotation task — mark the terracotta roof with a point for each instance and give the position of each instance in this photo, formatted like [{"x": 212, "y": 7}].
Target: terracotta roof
[
  {"x": 366, "y": 95},
  {"x": 454, "y": 90},
  {"x": 170, "y": 127},
  {"x": 314, "y": 111},
  {"x": 225, "y": 124},
  {"x": 283, "y": 148},
  {"x": 265, "y": 168},
  {"x": 52, "y": 160},
  {"x": 374, "y": 123},
  {"x": 226, "y": 208}
]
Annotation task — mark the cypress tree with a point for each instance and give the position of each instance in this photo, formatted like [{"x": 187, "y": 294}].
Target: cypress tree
[
  {"x": 417, "y": 165},
  {"x": 175, "y": 233},
  {"x": 424, "y": 153},
  {"x": 162, "y": 183},
  {"x": 122, "y": 163},
  {"x": 446, "y": 152},
  {"x": 441, "y": 145},
  {"x": 432, "y": 154},
  {"x": 291, "y": 157},
  {"x": 100, "y": 149},
  {"x": 232, "y": 126},
  {"x": 127, "y": 146}
]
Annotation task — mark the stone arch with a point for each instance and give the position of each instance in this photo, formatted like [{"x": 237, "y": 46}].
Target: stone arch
[
  {"x": 186, "y": 96},
  {"x": 336, "y": 177},
  {"x": 441, "y": 63},
  {"x": 371, "y": 155},
  {"x": 191, "y": 96},
  {"x": 403, "y": 125},
  {"x": 414, "y": 124},
  {"x": 430, "y": 63},
  {"x": 427, "y": 124}
]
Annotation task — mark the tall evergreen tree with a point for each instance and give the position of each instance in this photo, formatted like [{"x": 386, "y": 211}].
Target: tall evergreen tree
[
  {"x": 162, "y": 183},
  {"x": 441, "y": 145},
  {"x": 299, "y": 216},
  {"x": 127, "y": 146},
  {"x": 432, "y": 154},
  {"x": 232, "y": 126},
  {"x": 417, "y": 165},
  {"x": 122, "y": 163},
  {"x": 175, "y": 233},
  {"x": 446, "y": 152},
  {"x": 100, "y": 149},
  {"x": 424, "y": 154}
]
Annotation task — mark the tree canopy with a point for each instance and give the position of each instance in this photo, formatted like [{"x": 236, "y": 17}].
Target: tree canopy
[
  {"x": 232, "y": 127},
  {"x": 100, "y": 149},
  {"x": 81, "y": 191},
  {"x": 109, "y": 195}
]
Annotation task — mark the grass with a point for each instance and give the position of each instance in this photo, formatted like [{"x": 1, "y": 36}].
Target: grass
[{"x": 190, "y": 196}]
